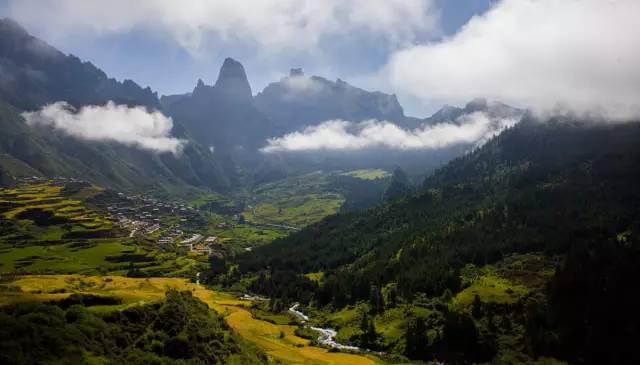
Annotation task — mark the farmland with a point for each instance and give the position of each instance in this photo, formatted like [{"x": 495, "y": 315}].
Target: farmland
[
  {"x": 57, "y": 227},
  {"x": 278, "y": 341}
]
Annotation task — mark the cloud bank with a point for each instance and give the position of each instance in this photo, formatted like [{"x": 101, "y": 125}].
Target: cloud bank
[
  {"x": 271, "y": 25},
  {"x": 579, "y": 56},
  {"x": 116, "y": 123},
  {"x": 475, "y": 128}
]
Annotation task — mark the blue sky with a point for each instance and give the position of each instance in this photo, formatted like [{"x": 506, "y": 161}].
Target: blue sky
[{"x": 152, "y": 58}]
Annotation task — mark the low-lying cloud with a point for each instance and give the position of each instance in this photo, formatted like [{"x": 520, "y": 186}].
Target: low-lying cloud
[
  {"x": 475, "y": 129},
  {"x": 578, "y": 56},
  {"x": 131, "y": 126}
]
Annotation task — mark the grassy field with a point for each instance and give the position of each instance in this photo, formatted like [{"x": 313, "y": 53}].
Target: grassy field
[
  {"x": 505, "y": 282},
  {"x": 296, "y": 201},
  {"x": 367, "y": 174},
  {"x": 391, "y": 324},
  {"x": 278, "y": 341}
]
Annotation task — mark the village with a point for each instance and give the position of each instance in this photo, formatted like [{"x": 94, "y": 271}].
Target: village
[
  {"x": 166, "y": 222},
  {"x": 140, "y": 216}
]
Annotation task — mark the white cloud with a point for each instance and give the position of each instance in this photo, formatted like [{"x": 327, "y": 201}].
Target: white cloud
[
  {"x": 272, "y": 25},
  {"x": 576, "y": 55},
  {"x": 475, "y": 128},
  {"x": 117, "y": 123}
]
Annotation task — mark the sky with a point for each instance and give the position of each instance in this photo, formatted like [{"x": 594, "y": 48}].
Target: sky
[
  {"x": 553, "y": 57},
  {"x": 171, "y": 63}
]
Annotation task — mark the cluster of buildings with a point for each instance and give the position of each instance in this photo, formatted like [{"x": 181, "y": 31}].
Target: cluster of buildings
[
  {"x": 197, "y": 243},
  {"x": 141, "y": 215}
]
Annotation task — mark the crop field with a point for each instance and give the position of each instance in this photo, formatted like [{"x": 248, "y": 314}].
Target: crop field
[
  {"x": 33, "y": 213},
  {"x": 367, "y": 174},
  {"x": 278, "y": 341},
  {"x": 296, "y": 201}
]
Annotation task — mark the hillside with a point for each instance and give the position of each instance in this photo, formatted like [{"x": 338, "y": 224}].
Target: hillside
[{"x": 560, "y": 188}]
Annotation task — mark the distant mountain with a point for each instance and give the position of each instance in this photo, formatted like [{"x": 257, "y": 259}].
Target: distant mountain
[
  {"x": 298, "y": 101},
  {"x": 35, "y": 74},
  {"x": 32, "y": 74},
  {"x": 494, "y": 110}
]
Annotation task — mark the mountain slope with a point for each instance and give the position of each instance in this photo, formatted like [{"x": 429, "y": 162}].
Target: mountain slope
[
  {"x": 46, "y": 152},
  {"x": 526, "y": 247},
  {"x": 537, "y": 187},
  {"x": 34, "y": 74}
]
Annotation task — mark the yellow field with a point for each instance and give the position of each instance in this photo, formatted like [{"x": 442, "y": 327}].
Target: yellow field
[{"x": 289, "y": 349}]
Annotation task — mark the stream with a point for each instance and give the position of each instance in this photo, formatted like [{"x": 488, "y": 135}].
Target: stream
[{"x": 327, "y": 335}]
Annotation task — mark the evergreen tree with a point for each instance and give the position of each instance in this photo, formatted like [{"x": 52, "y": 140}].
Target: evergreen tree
[
  {"x": 399, "y": 186},
  {"x": 416, "y": 340},
  {"x": 476, "y": 307},
  {"x": 375, "y": 300}
]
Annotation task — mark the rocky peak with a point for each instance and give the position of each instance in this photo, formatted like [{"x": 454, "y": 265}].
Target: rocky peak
[{"x": 232, "y": 81}]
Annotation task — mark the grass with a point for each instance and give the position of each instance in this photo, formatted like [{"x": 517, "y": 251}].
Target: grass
[
  {"x": 297, "y": 201},
  {"x": 487, "y": 284},
  {"x": 278, "y": 341},
  {"x": 367, "y": 174},
  {"x": 315, "y": 276},
  {"x": 391, "y": 324}
]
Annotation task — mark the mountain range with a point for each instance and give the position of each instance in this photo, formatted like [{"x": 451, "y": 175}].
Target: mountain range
[{"x": 224, "y": 124}]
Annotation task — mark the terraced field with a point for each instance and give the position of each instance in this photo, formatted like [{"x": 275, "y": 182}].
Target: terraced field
[
  {"x": 278, "y": 341},
  {"x": 48, "y": 227},
  {"x": 50, "y": 212}
]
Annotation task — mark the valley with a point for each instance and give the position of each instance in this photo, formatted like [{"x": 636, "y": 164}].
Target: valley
[
  {"x": 71, "y": 231},
  {"x": 244, "y": 212}
]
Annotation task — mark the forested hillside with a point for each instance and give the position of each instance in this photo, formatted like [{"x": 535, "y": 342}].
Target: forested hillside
[
  {"x": 177, "y": 330},
  {"x": 560, "y": 188}
]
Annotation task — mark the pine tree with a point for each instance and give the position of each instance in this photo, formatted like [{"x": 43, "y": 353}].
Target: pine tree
[
  {"x": 375, "y": 300},
  {"x": 416, "y": 339},
  {"x": 476, "y": 307}
]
